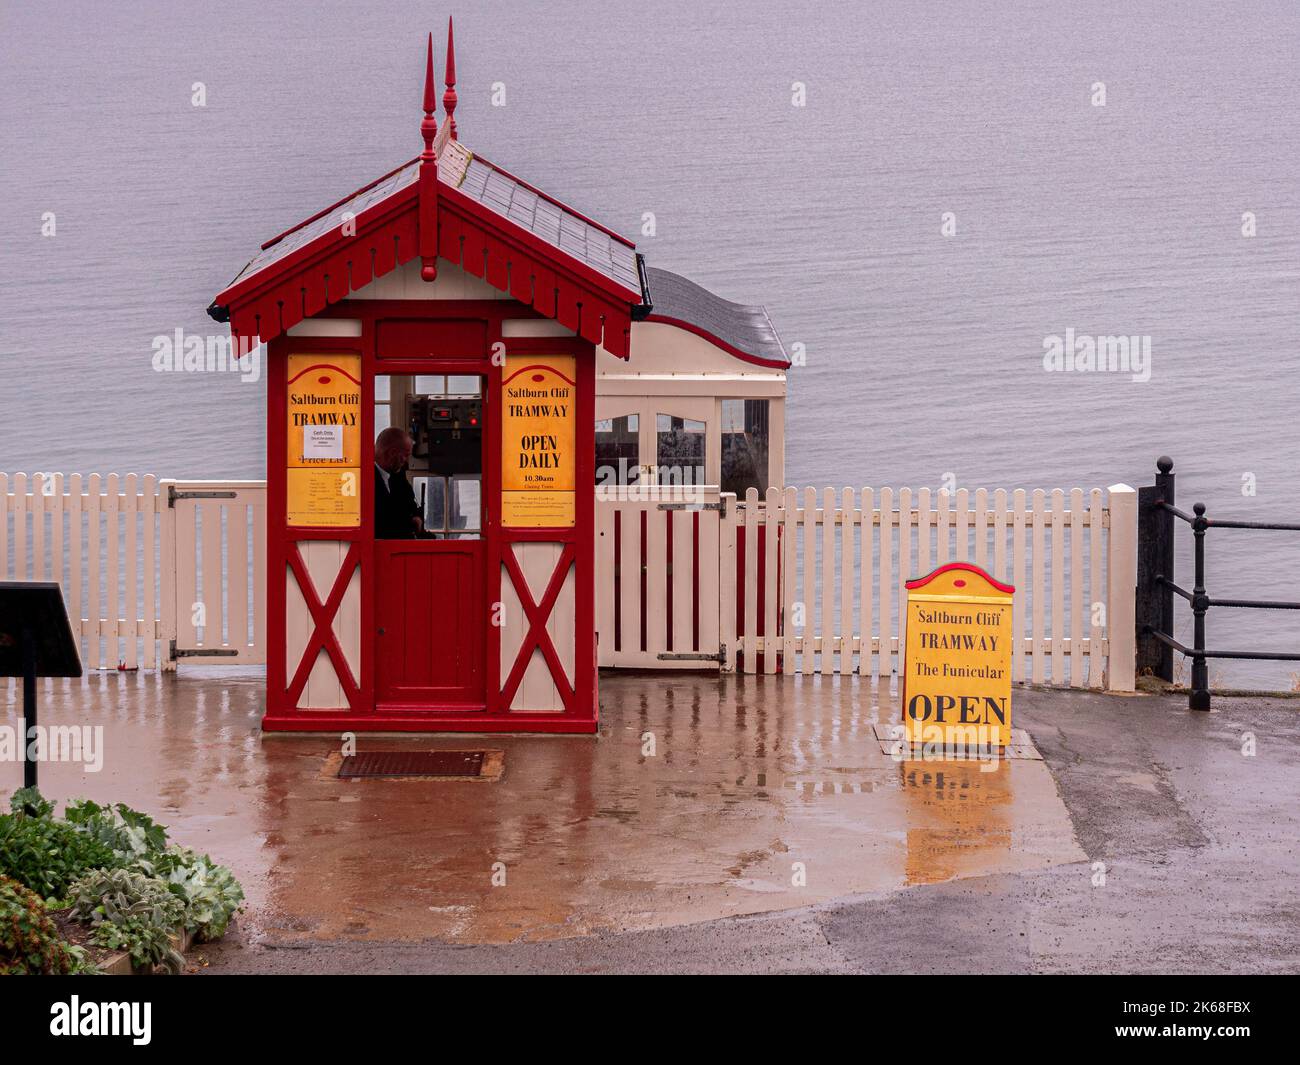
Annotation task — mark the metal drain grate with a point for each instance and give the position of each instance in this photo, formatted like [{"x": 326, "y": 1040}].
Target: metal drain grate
[{"x": 412, "y": 764}]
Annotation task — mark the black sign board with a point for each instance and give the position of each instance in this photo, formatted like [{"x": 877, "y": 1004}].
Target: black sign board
[
  {"x": 35, "y": 641},
  {"x": 36, "y": 606}
]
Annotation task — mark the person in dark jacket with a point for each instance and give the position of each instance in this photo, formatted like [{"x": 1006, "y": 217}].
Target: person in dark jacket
[{"x": 397, "y": 514}]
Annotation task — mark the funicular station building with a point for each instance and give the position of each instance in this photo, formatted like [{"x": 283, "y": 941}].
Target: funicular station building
[{"x": 455, "y": 361}]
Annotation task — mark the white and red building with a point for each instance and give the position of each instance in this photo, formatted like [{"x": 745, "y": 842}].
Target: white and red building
[{"x": 431, "y": 290}]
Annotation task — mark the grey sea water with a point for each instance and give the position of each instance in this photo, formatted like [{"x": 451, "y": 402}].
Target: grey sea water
[{"x": 924, "y": 351}]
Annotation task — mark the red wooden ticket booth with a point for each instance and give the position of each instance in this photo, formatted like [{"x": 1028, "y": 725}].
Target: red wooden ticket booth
[{"x": 453, "y": 301}]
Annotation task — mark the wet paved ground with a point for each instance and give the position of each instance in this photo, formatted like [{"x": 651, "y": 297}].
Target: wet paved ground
[{"x": 767, "y": 820}]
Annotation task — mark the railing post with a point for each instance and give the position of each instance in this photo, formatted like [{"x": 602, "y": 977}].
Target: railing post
[
  {"x": 1155, "y": 558},
  {"x": 1122, "y": 563},
  {"x": 1199, "y": 696}
]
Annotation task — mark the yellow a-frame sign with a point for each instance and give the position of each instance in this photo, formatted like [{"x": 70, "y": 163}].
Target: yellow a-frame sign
[{"x": 957, "y": 661}]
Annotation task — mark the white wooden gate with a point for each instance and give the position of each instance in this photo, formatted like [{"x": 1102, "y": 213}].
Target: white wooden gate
[
  {"x": 214, "y": 610},
  {"x": 658, "y": 558},
  {"x": 153, "y": 571}
]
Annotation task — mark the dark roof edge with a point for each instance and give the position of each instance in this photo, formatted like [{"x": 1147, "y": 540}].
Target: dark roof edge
[
  {"x": 642, "y": 312},
  {"x": 745, "y": 331}
]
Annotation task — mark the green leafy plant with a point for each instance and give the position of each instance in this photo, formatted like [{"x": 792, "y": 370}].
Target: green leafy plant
[
  {"x": 116, "y": 867},
  {"x": 210, "y": 892},
  {"x": 132, "y": 912},
  {"x": 128, "y": 833},
  {"x": 31, "y": 802},
  {"x": 29, "y": 940},
  {"x": 47, "y": 855},
  {"x": 147, "y": 944}
]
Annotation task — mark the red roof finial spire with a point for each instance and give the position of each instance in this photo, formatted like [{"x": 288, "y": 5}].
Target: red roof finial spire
[
  {"x": 449, "y": 97},
  {"x": 428, "y": 178},
  {"x": 429, "y": 126}
]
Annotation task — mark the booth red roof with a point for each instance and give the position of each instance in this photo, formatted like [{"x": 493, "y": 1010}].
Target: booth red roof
[
  {"x": 496, "y": 226},
  {"x": 567, "y": 232}
]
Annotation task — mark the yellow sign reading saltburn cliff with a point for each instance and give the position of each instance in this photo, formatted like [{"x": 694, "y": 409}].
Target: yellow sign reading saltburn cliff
[
  {"x": 957, "y": 669},
  {"x": 538, "y": 441},
  {"x": 323, "y": 475}
]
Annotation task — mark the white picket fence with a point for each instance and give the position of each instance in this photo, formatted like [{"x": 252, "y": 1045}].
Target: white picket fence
[
  {"x": 800, "y": 581},
  {"x": 819, "y": 586},
  {"x": 152, "y": 570}
]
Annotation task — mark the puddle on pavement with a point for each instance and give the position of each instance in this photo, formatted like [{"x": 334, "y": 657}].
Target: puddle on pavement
[{"x": 764, "y": 793}]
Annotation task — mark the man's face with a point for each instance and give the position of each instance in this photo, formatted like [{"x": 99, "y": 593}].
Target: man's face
[{"x": 397, "y": 455}]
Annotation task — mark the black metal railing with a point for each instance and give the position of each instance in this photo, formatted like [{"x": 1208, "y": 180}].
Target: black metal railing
[{"x": 1157, "y": 588}]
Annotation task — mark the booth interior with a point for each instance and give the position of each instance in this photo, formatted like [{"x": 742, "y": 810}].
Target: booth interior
[{"x": 443, "y": 416}]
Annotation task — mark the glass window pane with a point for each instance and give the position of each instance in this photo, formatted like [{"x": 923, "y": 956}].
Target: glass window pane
[
  {"x": 618, "y": 450},
  {"x": 464, "y": 386},
  {"x": 430, "y": 491},
  {"x": 744, "y": 445},
  {"x": 447, "y": 457},
  {"x": 466, "y": 503},
  {"x": 381, "y": 388},
  {"x": 733, "y": 415},
  {"x": 680, "y": 450}
]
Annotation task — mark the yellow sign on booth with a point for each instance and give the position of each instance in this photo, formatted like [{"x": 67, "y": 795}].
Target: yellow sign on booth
[
  {"x": 538, "y": 441},
  {"x": 957, "y": 663},
  {"x": 323, "y": 465}
]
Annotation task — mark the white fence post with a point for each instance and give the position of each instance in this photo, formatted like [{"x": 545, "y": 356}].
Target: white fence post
[
  {"x": 167, "y": 573},
  {"x": 1122, "y": 591},
  {"x": 727, "y": 528}
]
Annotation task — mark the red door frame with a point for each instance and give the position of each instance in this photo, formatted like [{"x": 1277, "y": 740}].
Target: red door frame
[{"x": 580, "y": 712}]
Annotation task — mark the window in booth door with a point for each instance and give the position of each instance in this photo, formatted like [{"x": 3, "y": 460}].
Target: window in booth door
[
  {"x": 618, "y": 450},
  {"x": 679, "y": 447},
  {"x": 444, "y": 417},
  {"x": 744, "y": 446}
]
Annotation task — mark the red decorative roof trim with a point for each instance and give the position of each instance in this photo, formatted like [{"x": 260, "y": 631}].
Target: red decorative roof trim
[
  {"x": 921, "y": 582},
  {"x": 278, "y": 294}
]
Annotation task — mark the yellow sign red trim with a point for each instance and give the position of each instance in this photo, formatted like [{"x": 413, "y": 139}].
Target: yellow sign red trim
[
  {"x": 538, "y": 441},
  {"x": 956, "y": 689},
  {"x": 323, "y": 464}
]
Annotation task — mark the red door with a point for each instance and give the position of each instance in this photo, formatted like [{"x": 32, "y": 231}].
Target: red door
[
  {"x": 429, "y": 615},
  {"x": 431, "y": 593}
]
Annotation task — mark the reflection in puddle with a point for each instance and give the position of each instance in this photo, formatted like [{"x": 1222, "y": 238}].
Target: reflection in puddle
[{"x": 958, "y": 818}]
